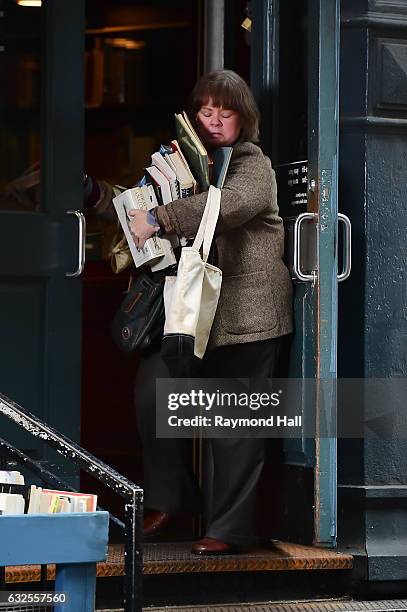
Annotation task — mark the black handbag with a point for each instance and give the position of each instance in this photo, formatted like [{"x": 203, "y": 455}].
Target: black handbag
[{"x": 140, "y": 318}]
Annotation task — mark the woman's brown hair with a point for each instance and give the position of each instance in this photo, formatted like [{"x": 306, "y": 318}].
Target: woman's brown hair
[{"x": 228, "y": 90}]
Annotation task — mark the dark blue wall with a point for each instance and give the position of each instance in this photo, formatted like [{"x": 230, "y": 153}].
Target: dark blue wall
[{"x": 373, "y": 302}]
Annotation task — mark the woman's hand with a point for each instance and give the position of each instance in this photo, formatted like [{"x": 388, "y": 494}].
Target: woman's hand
[{"x": 140, "y": 228}]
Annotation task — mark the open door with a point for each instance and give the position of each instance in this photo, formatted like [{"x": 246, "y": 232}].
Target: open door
[
  {"x": 323, "y": 139},
  {"x": 41, "y": 226},
  {"x": 304, "y": 147}
]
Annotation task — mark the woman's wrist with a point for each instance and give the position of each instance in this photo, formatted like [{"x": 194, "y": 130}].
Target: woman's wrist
[
  {"x": 151, "y": 218},
  {"x": 163, "y": 220}
]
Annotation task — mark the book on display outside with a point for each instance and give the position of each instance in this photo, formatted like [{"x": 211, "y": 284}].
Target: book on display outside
[{"x": 16, "y": 497}]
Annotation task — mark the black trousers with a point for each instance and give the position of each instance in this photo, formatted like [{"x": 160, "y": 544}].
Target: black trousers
[{"x": 169, "y": 483}]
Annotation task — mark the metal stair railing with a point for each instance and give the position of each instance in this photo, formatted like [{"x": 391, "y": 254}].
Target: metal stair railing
[{"x": 131, "y": 493}]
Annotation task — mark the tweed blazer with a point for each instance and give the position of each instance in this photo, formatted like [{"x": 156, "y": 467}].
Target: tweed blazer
[{"x": 256, "y": 296}]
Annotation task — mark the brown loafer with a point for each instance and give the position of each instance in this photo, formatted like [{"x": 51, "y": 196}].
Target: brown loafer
[
  {"x": 210, "y": 546},
  {"x": 155, "y": 522}
]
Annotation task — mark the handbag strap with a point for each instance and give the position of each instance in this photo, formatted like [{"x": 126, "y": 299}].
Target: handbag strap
[
  {"x": 117, "y": 190},
  {"x": 208, "y": 223}
]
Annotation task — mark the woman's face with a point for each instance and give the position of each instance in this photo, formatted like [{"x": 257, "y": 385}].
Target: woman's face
[{"x": 217, "y": 126}]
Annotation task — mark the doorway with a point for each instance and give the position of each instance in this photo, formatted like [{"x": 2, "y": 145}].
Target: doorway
[
  {"x": 141, "y": 61},
  {"x": 137, "y": 74}
]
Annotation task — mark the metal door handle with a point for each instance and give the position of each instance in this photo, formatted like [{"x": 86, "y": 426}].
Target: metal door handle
[
  {"x": 81, "y": 242},
  {"x": 299, "y": 275},
  {"x": 347, "y": 247}
]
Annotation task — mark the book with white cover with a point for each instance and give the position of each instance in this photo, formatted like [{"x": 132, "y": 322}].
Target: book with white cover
[
  {"x": 152, "y": 250},
  {"x": 35, "y": 499},
  {"x": 66, "y": 504},
  {"x": 157, "y": 176},
  {"x": 176, "y": 147},
  {"x": 11, "y": 503},
  {"x": 11, "y": 477},
  {"x": 81, "y": 502},
  {"x": 172, "y": 239},
  {"x": 52, "y": 501},
  {"x": 60, "y": 503},
  {"x": 45, "y": 502},
  {"x": 184, "y": 177},
  {"x": 169, "y": 162},
  {"x": 158, "y": 160},
  {"x": 166, "y": 197},
  {"x": 166, "y": 242}
]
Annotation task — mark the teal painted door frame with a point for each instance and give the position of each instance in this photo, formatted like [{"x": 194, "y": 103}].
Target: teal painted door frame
[
  {"x": 323, "y": 145},
  {"x": 314, "y": 345}
]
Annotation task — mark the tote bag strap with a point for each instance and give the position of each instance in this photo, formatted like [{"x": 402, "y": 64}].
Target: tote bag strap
[
  {"x": 208, "y": 223},
  {"x": 201, "y": 229},
  {"x": 211, "y": 222}
]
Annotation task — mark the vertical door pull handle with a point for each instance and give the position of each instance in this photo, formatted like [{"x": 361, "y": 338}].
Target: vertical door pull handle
[
  {"x": 347, "y": 247},
  {"x": 299, "y": 275},
  {"x": 81, "y": 242}
]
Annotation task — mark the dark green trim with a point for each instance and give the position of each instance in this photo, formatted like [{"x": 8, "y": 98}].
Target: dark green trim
[
  {"x": 264, "y": 51},
  {"x": 375, "y": 20},
  {"x": 63, "y": 105},
  {"x": 373, "y": 122},
  {"x": 374, "y": 492}
]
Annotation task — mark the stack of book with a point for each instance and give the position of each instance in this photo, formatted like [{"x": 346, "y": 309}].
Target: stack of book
[
  {"x": 12, "y": 486},
  {"x": 50, "y": 501},
  {"x": 18, "y": 498},
  {"x": 208, "y": 170},
  {"x": 168, "y": 178}
]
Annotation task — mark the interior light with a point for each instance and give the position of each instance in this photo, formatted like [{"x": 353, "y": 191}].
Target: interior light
[
  {"x": 247, "y": 24},
  {"x": 36, "y": 3},
  {"x": 125, "y": 43}
]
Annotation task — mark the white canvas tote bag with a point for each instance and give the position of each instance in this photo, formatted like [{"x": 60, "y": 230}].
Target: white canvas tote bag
[{"x": 191, "y": 297}]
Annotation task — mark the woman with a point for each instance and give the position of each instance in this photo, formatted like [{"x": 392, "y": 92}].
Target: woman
[{"x": 253, "y": 313}]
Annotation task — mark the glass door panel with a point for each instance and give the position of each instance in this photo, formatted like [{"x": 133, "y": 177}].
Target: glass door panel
[
  {"x": 20, "y": 110},
  {"x": 41, "y": 180}
]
